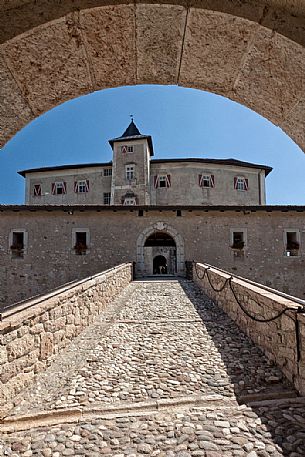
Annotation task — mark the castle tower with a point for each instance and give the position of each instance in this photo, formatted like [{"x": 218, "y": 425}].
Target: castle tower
[{"x": 131, "y": 167}]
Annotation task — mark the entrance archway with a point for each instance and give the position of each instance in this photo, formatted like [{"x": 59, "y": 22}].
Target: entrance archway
[
  {"x": 160, "y": 254},
  {"x": 159, "y": 265},
  {"x": 160, "y": 239}
]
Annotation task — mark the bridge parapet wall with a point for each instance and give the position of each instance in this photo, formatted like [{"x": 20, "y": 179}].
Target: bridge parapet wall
[
  {"x": 253, "y": 308},
  {"x": 35, "y": 330}
]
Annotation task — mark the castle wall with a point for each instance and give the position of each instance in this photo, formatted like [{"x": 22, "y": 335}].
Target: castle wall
[
  {"x": 50, "y": 259},
  {"x": 185, "y": 189}
]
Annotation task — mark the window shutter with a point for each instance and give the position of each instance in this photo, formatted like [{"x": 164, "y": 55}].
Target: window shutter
[
  {"x": 87, "y": 185},
  {"x": 155, "y": 182},
  {"x": 168, "y": 180},
  {"x": 75, "y": 186},
  {"x": 235, "y": 182},
  {"x": 64, "y": 187},
  {"x": 200, "y": 180},
  {"x": 124, "y": 149},
  {"x": 53, "y": 188},
  {"x": 246, "y": 184},
  {"x": 212, "y": 181}
]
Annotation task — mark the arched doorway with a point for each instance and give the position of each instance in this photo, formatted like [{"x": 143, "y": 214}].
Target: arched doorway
[
  {"x": 160, "y": 239},
  {"x": 159, "y": 265},
  {"x": 160, "y": 254}
]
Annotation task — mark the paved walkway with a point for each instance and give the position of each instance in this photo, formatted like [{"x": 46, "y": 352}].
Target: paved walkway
[{"x": 163, "y": 372}]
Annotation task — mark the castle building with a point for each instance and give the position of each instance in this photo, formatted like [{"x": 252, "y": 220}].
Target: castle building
[{"x": 135, "y": 178}]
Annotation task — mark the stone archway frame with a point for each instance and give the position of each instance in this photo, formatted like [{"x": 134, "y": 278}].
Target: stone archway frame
[
  {"x": 49, "y": 55},
  {"x": 160, "y": 227}
]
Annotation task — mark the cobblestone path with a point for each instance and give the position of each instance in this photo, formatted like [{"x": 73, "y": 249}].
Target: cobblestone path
[{"x": 162, "y": 372}]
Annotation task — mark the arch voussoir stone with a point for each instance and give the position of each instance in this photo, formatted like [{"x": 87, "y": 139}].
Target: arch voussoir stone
[
  {"x": 160, "y": 226},
  {"x": 227, "y": 51}
]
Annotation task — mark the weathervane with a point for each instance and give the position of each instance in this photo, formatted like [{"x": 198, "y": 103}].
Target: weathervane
[{"x": 131, "y": 117}]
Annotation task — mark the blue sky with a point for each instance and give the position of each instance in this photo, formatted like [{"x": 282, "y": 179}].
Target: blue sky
[{"x": 183, "y": 123}]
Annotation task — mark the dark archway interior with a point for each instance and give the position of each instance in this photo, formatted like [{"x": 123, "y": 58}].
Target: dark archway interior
[
  {"x": 160, "y": 239},
  {"x": 160, "y": 265}
]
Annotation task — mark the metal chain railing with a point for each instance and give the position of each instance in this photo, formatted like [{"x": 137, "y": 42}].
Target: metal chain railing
[{"x": 242, "y": 307}]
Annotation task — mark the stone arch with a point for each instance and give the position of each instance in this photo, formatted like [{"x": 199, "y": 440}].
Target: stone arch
[
  {"x": 79, "y": 47},
  {"x": 160, "y": 226}
]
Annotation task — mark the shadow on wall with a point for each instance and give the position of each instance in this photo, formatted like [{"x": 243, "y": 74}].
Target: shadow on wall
[{"x": 251, "y": 378}]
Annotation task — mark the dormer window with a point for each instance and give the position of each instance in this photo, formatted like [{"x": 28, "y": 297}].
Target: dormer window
[
  {"x": 37, "y": 190},
  {"x": 130, "y": 172},
  {"x": 162, "y": 181},
  {"x": 81, "y": 187},
  {"x": 206, "y": 180},
  {"x": 241, "y": 183},
  {"x": 59, "y": 188}
]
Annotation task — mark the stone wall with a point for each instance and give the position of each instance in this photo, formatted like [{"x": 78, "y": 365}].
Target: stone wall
[
  {"x": 282, "y": 340},
  {"x": 200, "y": 234},
  {"x": 36, "y": 330}
]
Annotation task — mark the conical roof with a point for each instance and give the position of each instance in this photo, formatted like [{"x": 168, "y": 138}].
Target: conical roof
[{"x": 132, "y": 133}]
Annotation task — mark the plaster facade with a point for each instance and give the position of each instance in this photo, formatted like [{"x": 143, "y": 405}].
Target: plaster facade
[
  {"x": 134, "y": 178},
  {"x": 118, "y": 234}
]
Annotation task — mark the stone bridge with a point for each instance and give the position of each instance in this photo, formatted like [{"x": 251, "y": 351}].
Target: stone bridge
[{"x": 159, "y": 369}]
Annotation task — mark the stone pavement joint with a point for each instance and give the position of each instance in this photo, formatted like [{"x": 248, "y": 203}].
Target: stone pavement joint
[{"x": 162, "y": 372}]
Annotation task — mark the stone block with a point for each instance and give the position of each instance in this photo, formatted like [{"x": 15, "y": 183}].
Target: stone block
[
  {"x": 20, "y": 347},
  {"x": 46, "y": 345},
  {"x": 36, "y": 329},
  {"x": 3, "y": 355},
  {"x": 54, "y": 326},
  {"x": 110, "y": 45},
  {"x": 160, "y": 31},
  {"x": 49, "y": 64}
]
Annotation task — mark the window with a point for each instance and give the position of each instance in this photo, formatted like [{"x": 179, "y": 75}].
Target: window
[
  {"x": 37, "y": 190},
  {"x": 162, "y": 181},
  {"x": 107, "y": 171},
  {"x": 241, "y": 183},
  {"x": 126, "y": 148},
  {"x": 130, "y": 201},
  {"x": 292, "y": 243},
  {"x": 206, "y": 181},
  {"x": 107, "y": 198},
  {"x": 130, "y": 172},
  {"x": 81, "y": 187},
  {"x": 59, "y": 188},
  {"x": 238, "y": 239},
  {"x": 18, "y": 242},
  {"x": 80, "y": 241}
]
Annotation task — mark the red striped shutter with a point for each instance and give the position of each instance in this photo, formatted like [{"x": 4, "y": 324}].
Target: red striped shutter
[
  {"x": 235, "y": 182},
  {"x": 123, "y": 149},
  {"x": 212, "y": 181},
  {"x": 87, "y": 185},
  {"x": 200, "y": 180},
  {"x": 64, "y": 187},
  {"x": 53, "y": 187},
  {"x": 168, "y": 180},
  {"x": 155, "y": 182},
  {"x": 75, "y": 186},
  {"x": 246, "y": 184}
]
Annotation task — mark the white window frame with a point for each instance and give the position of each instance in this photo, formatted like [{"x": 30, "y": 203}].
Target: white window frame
[
  {"x": 60, "y": 185},
  {"x": 107, "y": 172},
  {"x": 108, "y": 195},
  {"x": 239, "y": 230},
  {"x": 73, "y": 239},
  {"x": 130, "y": 149},
  {"x": 241, "y": 184},
  {"x": 25, "y": 240},
  {"x": 287, "y": 252},
  {"x": 130, "y": 172},
  {"x": 207, "y": 177},
  {"x": 163, "y": 178},
  {"x": 82, "y": 184},
  {"x": 130, "y": 201},
  {"x": 35, "y": 194}
]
